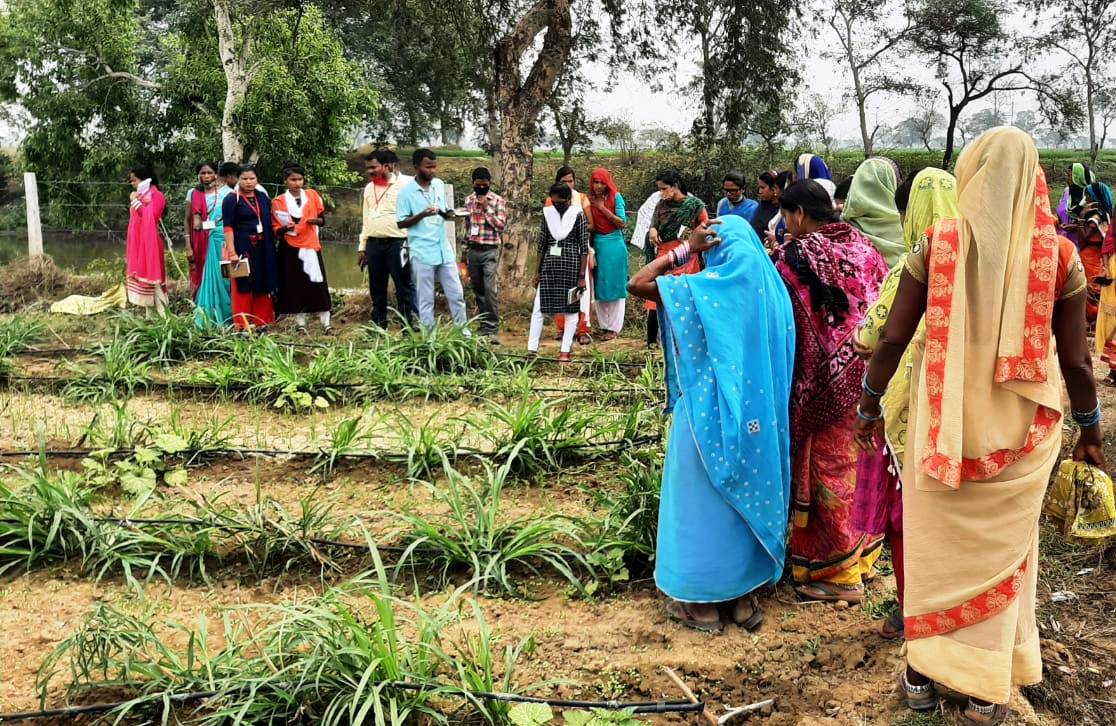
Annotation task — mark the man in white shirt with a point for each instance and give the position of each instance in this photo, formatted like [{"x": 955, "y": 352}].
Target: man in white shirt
[{"x": 383, "y": 245}]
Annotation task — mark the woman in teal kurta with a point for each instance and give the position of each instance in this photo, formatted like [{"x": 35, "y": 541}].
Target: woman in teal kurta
[
  {"x": 610, "y": 276},
  {"x": 213, "y": 301}
]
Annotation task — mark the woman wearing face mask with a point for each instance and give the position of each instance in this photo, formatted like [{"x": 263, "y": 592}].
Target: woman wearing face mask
[
  {"x": 147, "y": 273},
  {"x": 249, "y": 235},
  {"x": 296, "y": 216},
  {"x": 563, "y": 254},
  {"x": 833, "y": 274},
  {"x": 205, "y": 203},
  {"x": 565, "y": 175}
]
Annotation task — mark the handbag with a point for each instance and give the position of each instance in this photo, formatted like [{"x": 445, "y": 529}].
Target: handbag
[{"x": 1082, "y": 500}]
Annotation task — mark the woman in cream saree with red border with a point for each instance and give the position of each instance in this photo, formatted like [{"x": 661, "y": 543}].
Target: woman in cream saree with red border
[{"x": 995, "y": 285}]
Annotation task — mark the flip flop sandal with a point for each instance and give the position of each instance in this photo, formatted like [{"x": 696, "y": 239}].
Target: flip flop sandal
[
  {"x": 948, "y": 694},
  {"x": 679, "y": 613},
  {"x": 751, "y": 622},
  {"x": 330, "y": 331},
  {"x": 301, "y": 330},
  {"x": 607, "y": 336},
  {"x": 830, "y": 593},
  {"x": 584, "y": 340},
  {"x": 990, "y": 715},
  {"x": 892, "y": 627}
]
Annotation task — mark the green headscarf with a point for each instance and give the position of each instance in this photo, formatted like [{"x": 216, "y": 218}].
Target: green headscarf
[
  {"x": 870, "y": 207},
  {"x": 933, "y": 198}
]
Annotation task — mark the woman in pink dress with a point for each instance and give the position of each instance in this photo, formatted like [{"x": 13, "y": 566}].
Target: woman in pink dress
[{"x": 147, "y": 273}]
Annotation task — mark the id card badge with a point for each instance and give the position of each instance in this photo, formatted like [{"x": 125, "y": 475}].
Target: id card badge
[
  {"x": 259, "y": 229},
  {"x": 209, "y": 224},
  {"x": 555, "y": 251}
]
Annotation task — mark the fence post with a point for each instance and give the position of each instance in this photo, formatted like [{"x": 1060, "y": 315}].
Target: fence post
[{"x": 34, "y": 225}]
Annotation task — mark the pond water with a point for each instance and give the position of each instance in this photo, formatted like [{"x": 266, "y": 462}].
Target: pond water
[{"x": 100, "y": 253}]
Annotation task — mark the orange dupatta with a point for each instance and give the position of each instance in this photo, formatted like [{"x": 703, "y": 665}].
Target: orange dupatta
[{"x": 305, "y": 235}]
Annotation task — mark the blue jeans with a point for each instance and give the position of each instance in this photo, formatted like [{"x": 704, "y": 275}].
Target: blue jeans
[{"x": 450, "y": 280}]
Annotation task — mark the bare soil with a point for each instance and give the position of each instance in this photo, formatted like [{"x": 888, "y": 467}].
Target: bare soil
[{"x": 824, "y": 665}]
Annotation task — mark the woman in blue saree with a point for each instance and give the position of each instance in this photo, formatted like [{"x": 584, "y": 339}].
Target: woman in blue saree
[{"x": 726, "y": 478}]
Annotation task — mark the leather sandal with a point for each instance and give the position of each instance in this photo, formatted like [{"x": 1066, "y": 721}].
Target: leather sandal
[
  {"x": 918, "y": 698},
  {"x": 990, "y": 715},
  {"x": 892, "y": 627},
  {"x": 829, "y": 592},
  {"x": 749, "y": 619},
  {"x": 680, "y": 613}
]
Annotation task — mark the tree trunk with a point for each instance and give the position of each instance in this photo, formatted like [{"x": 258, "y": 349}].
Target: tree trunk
[
  {"x": 1094, "y": 147},
  {"x": 861, "y": 109},
  {"x": 708, "y": 94},
  {"x": 234, "y": 61},
  {"x": 951, "y": 128},
  {"x": 520, "y": 102}
]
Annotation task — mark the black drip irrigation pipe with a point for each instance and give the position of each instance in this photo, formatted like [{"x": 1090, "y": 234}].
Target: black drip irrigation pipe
[
  {"x": 637, "y": 707},
  {"x": 239, "y": 388},
  {"x": 240, "y": 453}
]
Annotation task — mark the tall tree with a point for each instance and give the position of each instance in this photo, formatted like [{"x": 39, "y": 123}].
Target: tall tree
[
  {"x": 867, "y": 38},
  {"x": 737, "y": 68},
  {"x": 572, "y": 127},
  {"x": 112, "y": 82},
  {"x": 972, "y": 56},
  {"x": 815, "y": 122},
  {"x": 521, "y": 99},
  {"x": 1082, "y": 31}
]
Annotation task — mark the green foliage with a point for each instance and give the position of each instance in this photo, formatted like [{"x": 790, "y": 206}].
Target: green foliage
[
  {"x": 279, "y": 378},
  {"x": 272, "y": 538},
  {"x": 121, "y": 374},
  {"x": 623, "y": 539},
  {"x": 475, "y": 535},
  {"x": 441, "y": 348},
  {"x": 424, "y": 448},
  {"x": 324, "y": 660},
  {"x": 345, "y": 438},
  {"x": 536, "y": 436},
  {"x": 18, "y": 333},
  {"x": 48, "y": 519},
  {"x": 166, "y": 339},
  {"x": 111, "y": 83}
]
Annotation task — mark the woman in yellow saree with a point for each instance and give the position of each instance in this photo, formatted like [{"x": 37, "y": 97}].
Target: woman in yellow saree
[{"x": 997, "y": 288}]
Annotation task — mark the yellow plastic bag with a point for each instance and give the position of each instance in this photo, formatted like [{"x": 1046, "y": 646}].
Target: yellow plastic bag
[{"x": 1082, "y": 500}]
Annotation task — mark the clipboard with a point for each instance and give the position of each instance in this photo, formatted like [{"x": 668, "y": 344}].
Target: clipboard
[
  {"x": 233, "y": 269},
  {"x": 573, "y": 295}
]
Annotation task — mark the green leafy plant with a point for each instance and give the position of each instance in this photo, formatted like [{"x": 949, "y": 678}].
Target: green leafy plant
[
  {"x": 17, "y": 334},
  {"x": 272, "y": 538},
  {"x": 623, "y": 539},
  {"x": 345, "y": 438},
  {"x": 166, "y": 339},
  {"x": 325, "y": 660},
  {"x": 441, "y": 348},
  {"x": 49, "y": 519},
  {"x": 121, "y": 374},
  {"x": 279, "y": 378},
  {"x": 538, "y": 435},
  {"x": 476, "y": 536},
  {"x": 424, "y": 448}
]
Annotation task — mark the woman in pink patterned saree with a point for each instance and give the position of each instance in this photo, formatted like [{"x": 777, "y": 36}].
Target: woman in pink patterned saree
[
  {"x": 833, "y": 274},
  {"x": 985, "y": 424}
]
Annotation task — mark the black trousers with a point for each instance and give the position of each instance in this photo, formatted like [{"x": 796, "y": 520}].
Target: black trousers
[{"x": 382, "y": 254}]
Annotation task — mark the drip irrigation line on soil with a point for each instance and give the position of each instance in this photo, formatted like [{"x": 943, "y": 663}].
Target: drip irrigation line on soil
[
  {"x": 240, "y": 453},
  {"x": 186, "y": 386},
  {"x": 638, "y": 707}
]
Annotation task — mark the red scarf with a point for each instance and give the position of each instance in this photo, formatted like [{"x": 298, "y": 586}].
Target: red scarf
[{"x": 601, "y": 223}]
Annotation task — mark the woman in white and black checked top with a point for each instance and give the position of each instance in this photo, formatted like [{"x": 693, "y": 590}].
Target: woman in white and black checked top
[{"x": 563, "y": 252}]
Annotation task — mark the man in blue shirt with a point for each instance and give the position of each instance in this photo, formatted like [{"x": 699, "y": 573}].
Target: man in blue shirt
[
  {"x": 422, "y": 210},
  {"x": 735, "y": 202}
]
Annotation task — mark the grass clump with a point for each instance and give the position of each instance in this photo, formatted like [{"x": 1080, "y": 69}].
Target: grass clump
[
  {"x": 121, "y": 375},
  {"x": 475, "y": 536},
  {"x": 287, "y": 384},
  {"x": 166, "y": 339},
  {"x": 537, "y": 436},
  {"x": 49, "y": 519},
  {"x": 441, "y": 348},
  {"x": 326, "y": 660}
]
